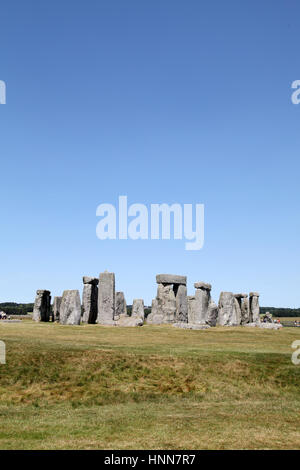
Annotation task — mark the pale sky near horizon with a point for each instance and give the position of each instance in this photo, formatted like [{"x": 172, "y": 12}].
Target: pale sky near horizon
[{"x": 165, "y": 102}]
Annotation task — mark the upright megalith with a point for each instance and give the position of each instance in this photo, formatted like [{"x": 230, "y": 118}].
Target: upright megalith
[
  {"x": 56, "y": 308},
  {"x": 227, "y": 315},
  {"x": 181, "y": 304},
  {"x": 170, "y": 305},
  {"x": 121, "y": 306},
  {"x": 137, "y": 315},
  {"x": 212, "y": 314},
  {"x": 70, "y": 308},
  {"x": 245, "y": 314},
  {"x": 42, "y": 306},
  {"x": 254, "y": 307},
  {"x": 242, "y": 308},
  {"x": 202, "y": 301},
  {"x": 106, "y": 299},
  {"x": 90, "y": 299}
]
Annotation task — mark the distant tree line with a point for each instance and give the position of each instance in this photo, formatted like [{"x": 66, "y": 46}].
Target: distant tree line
[
  {"x": 12, "y": 308},
  {"x": 281, "y": 312}
]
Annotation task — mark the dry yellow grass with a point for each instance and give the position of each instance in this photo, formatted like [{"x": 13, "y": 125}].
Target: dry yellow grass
[{"x": 94, "y": 387}]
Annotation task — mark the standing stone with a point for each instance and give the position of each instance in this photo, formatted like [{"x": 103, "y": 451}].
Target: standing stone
[
  {"x": 191, "y": 309},
  {"x": 166, "y": 302},
  {"x": 245, "y": 318},
  {"x": 238, "y": 303},
  {"x": 138, "y": 309},
  {"x": 42, "y": 306},
  {"x": 90, "y": 299},
  {"x": 106, "y": 299},
  {"x": 202, "y": 300},
  {"x": 254, "y": 307},
  {"x": 56, "y": 308},
  {"x": 212, "y": 315},
  {"x": 171, "y": 300},
  {"x": 70, "y": 308},
  {"x": 181, "y": 304},
  {"x": 121, "y": 307},
  {"x": 156, "y": 316},
  {"x": 227, "y": 315},
  {"x": 137, "y": 315}
]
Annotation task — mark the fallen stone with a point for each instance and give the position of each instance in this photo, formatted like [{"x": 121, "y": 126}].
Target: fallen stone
[
  {"x": 191, "y": 326},
  {"x": 267, "y": 326}
]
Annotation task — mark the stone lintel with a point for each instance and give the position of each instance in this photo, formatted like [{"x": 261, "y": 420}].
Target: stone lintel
[
  {"x": 90, "y": 280},
  {"x": 202, "y": 285},
  {"x": 170, "y": 279}
]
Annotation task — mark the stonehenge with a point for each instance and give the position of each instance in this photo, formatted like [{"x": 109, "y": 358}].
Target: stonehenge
[
  {"x": 101, "y": 304},
  {"x": 56, "y": 308},
  {"x": 121, "y": 307},
  {"x": 106, "y": 299},
  {"x": 90, "y": 299},
  {"x": 42, "y": 306},
  {"x": 202, "y": 310},
  {"x": 70, "y": 308},
  {"x": 254, "y": 307},
  {"x": 170, "y": 304},
  {"x": 228, "y": 310},
  {"x": 137, "y": 316}
]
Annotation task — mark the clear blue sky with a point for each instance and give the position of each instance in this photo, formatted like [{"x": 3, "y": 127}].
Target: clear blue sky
[{"x": 162, "y": 101}]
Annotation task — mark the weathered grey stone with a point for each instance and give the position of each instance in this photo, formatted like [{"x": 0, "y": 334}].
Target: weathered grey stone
[
  {"x": 70, "y": 308},
  {"x": 106, "y": 299},
  {"x": 121, "y": 307},
  {"x": 137, "y": 315},
  {"x": 89, "y": 301},
  {"x": 202, "y": 285},
  {"x": 212, "y": 315},
  {"x": 90, "y": 280},
  {"x": 245, "y": 310},
  {"x": 201, "y": 303},
  {"x": 191, "y": 309},
  {"x": 166, "y": 303},
  {"x": 191, "y": 326},
  {"x": 138, "y": 310},
  {"x": 181, "y": 304},
  {"x": 155, "y": 317},
  {"x": 42, "y": 306},
  {"x": 254, "y": 307},
  {"x": 267, "y": 326},
  {"x": 238, "y": 312},
  {"x": 56, "y": 308},
  {"x": 170, "y": 279},
  {"x": 227, "y": 315}
]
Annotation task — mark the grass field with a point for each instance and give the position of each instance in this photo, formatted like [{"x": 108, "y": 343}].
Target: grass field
[{"x": 93, "y": 387}]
